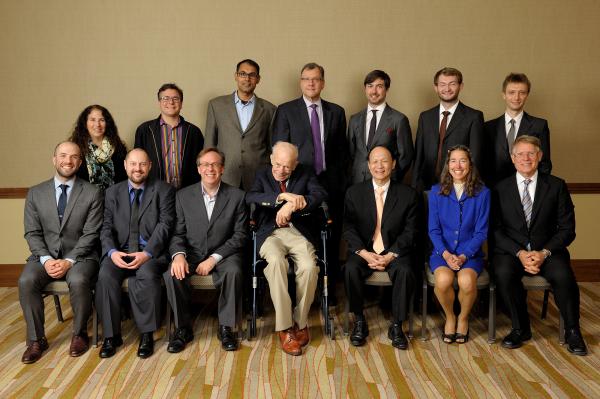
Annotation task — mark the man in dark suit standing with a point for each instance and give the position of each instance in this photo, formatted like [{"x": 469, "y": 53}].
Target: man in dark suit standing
[
  {"x": 500, "y": 133},
  {"x": 318, "y": 128},
  {"x": 171, "y": 142},
  {"x": 282, "y": 194},
  {"x": 139, "y": 215},
  {"x": 380, "y": 226},
  {"x": 239, "y": 124},
  {"x": 533, "y": 222},
  {"x": 379, "y": 125},
  {"x": 62, "y": 222},
  {"x": 209, "y": 238},
  {"x": 448, "y": 124}
]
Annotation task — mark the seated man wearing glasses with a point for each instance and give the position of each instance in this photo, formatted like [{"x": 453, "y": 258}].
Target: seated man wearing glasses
[
  {"x": 282, "y": 194},
  {"x": 171, "y": 142},
  {"x": 239, "y": 124}
]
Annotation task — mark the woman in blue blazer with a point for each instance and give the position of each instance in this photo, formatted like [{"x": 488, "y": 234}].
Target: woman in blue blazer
[{"x": 459, "y": 208}]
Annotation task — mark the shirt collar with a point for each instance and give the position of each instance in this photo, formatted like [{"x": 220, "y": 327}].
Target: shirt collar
[
  {"x": 309, "y": 103},
  {"x": 205, "y": 193},
  {"x": 517, "y": 118},
  {"x": 162, "y": 122},
  {"x": 236, "y": 98},
  {"x": 521, "y": 178},
  {"x": 452, "y": 109},
  {"x": 380, "y": 108},
  {"x": 130, "y": 187},
  {"x": 386, "y": 186},
  {"x": 69, "y": 182}
]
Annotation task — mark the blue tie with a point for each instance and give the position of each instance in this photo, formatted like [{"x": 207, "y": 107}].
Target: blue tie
[{"x": 62, "y": 202}]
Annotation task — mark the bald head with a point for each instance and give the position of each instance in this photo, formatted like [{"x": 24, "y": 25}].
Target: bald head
[
  {"x": 284, "y": 160},
  {"x": 67, "y": 145}
]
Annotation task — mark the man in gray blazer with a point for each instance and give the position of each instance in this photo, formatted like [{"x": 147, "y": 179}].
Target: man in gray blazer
[
  {"x": 379, "y": 125},
  {"x": 63, "y": 216},
  {"x": 239, "y": 124},
  {"x": 210, "y": 234},
  {"x": 139, "y": 215}
]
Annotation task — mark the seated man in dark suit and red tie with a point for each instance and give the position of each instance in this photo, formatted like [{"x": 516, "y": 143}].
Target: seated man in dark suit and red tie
[
  {"x": 209, "y": 239},
  {"x": 501, "y": 132},
  {"x": 379, "y": 125},
  {"x": 63, "y": 217},
  {"x": 448, "y": 124},
  {"x": 139, "y": 215},
  {"x": 533, "y": 222},
  {"x": 380, "y": 226},
  {"x": 282, "y": 194}
]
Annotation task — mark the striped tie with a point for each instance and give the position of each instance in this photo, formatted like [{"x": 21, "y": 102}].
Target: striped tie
[{"x": 527, "y": 203}]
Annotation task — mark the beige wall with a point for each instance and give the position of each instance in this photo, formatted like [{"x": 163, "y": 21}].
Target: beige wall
[{"x": 60, "y": 56}]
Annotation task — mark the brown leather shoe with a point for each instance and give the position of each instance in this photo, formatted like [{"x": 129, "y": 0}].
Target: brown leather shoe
[
  {"x": 301, "y": 335},
  {"x": 289, "y": 343},
  {"x": 79, "y": 345},
  {"x": 34, "y": 351}
]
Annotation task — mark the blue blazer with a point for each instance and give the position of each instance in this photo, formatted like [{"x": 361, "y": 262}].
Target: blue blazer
[{"x": 460, "y": 227}]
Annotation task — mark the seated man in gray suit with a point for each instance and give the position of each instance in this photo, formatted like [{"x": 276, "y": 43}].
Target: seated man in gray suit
[
  {"x": 139, "y": 215},
  {"x": 239, "y": 125},
  {"x": 209, "y": 238},
  {"x": 379, "y": 125},
  {"x": 63, "y": 216}
]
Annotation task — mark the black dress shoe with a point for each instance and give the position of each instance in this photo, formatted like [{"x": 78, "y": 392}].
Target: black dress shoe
[
  {"x": 146, "y": 348},
  {"x": 360, "y": 332},
  {"x": 397, "y": 336},
  {"x": 575, "y": 342},
  {"x": 181, "y": 337},
  {"x": 516, "y": 338},
  {"x": 227, "y": 338},
  {"x": 109, "y": 346}
]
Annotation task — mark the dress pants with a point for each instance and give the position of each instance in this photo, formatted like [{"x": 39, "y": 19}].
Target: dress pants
[
  {"x": 80, "y": 279},
  {"x": 144, "y": 294},
  {"x": 227, "y": 278},
  {"x": 508, "y": 272},
  {"x": 290, "y": 242},
  {"x": 401, "y": 274}
]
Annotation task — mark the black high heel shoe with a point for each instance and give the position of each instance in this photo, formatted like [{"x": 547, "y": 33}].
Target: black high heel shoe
[
  {"x": 448, "y": 338},
  {"x": 462, "y": 338}
]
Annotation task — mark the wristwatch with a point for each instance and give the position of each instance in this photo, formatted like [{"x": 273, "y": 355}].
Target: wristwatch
[{"x": 546, "y": 253}]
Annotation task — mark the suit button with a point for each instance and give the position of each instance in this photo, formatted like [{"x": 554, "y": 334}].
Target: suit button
[
  {"x": 456, "y": 232},
  {"x": 456, "y": 242}
]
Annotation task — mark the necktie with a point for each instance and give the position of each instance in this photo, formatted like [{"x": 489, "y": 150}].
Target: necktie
[
  {"x": 510, "y": 137},
  {"x": 316, "y": 133},
  {"x": 443, "y": 126},
  {"x": 134, "y": 223},
  {"x": 377, "y": 239},
  {"x": 282, "y": 186},
  {"x": 372, "y": 128},
  {"x": 62, "y": 202},
  {"x": 527, "y": 203}
]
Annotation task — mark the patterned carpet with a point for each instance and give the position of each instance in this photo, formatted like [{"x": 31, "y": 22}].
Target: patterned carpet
[{"x": 541, "y": 368}]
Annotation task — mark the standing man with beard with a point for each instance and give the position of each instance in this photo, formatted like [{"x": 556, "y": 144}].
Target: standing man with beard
[{"x": 62, "y": 221}]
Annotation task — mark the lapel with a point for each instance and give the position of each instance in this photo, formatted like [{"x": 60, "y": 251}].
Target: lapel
[
  {"x": 459, "y": 114},
  {"x": 75, "y": 192},
  {"x": 515, "y": 199},
  {"x": 525, "y": 126},
  {"x": 156, "y": 133},
  {"x": 148, "y": 197},
  {"x": 303, "y": 112},
  {"x": 362, "y": 121},
  {"x": 256, "y": 115},
  {"x": 540, "y": 192},
  {"x": 124, "y": 202},
  {"x": 232, "y": 113},
  {"x": 51, "y": 201},
  {"x": 501, "y": 142},
  {"x": 198, "y": 198},
  {"x": 389, "y": 204},
  {"x": 370, "y": 205},
  {"x": 384, "y": 123},
  {"x": 326, "y": 120},
  {"x": 220, "y": 203}
]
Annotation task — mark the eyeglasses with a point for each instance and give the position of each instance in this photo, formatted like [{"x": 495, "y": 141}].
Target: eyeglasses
[
  {"x": 280, "y": 166},
  {"x": 206, "y": 165},
  {"x": 244, "y": 75},
  {"x": 525, "y": 154},
  {"x": 311, "y": 80},
  {"x": 167, "y": 99}
]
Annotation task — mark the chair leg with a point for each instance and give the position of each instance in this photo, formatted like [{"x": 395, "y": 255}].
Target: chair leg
[
  {"x": 59, "y": 314},
  {"x": 545, "y": 303},
  {"x": 492, "y": 315},
  {"x": 561, "y": 329},
  {"x": 424, "y": 313}
]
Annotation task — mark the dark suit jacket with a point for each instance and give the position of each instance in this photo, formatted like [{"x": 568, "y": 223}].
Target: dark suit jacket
[
  {"x": 245, "y": 151},
  {"x": 399, "y": 221},
  {"x": 552, "y": 220},
  {"x": 498, "y": 164},
  {"x": 264, "y": 194},
  {"x": 292, "y": 124},
  {"x": 198, "y": 238},
  {"x": 393, "y": 132},
  {"x": 148, "y": 138},
  {"x": 77, "y": 236},
  {"x": 466, "y": 127},
  {"x": 156, "y": 217}
]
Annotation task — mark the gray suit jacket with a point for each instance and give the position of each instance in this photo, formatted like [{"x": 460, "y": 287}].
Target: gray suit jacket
[
  {"x": 393, "y": 132},
  {"x": 76, "y": 237},
  {"x": 196, "y": 236},
  {"x": 245, "y": 151},
  {"x": 156, "y": 217}
]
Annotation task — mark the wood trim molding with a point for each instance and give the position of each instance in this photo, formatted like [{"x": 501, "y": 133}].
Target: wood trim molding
[
  {"x": 9, "y": 275},
  {"x": 13, "y": 193},
  {"x": 584, "y": 188}
]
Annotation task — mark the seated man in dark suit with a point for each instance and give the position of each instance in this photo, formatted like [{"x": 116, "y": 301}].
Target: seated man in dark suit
[
  {"x": 533, "y": 222},
  {"x": 380, "y": 226},
  {"x": 282, "y": 193},
  {"x": 500, "y": 133},
  {"x": 209, "y": 238},
  {"x": 139, "y": 215},
  {"x": 62, "y": 223}
]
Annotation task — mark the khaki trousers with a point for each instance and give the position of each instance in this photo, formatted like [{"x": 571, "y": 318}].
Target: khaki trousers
[{"x": 290, "y": 242}]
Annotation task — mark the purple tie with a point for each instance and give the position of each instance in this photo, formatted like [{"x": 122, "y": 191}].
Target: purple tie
[{"x": 316, "y": 133}]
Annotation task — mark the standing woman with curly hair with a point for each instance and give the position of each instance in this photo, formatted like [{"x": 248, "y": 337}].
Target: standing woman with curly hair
[
  {"x": 459, "y": 207},
  {"x": 102, "y": 150}
]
